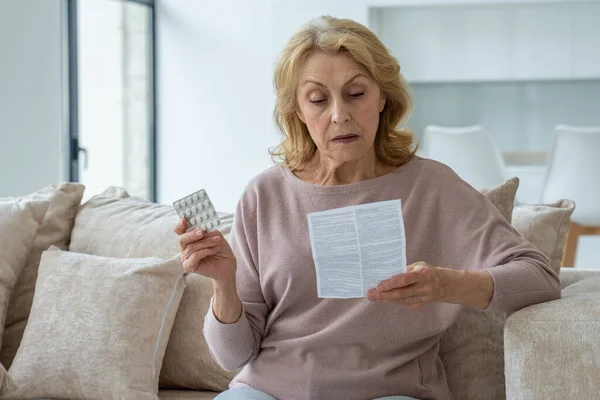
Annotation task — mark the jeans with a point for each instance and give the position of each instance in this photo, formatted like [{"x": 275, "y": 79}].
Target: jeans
[{"x": 253, "y": 394}]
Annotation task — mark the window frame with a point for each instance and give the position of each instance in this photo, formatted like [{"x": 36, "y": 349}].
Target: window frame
[{"x": 72, "y": 92}]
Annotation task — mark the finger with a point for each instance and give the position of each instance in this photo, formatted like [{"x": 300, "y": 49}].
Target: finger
[
  {"x": 205, "y": 243},
  {"x": 402, "y": 294},
  {"x": 399, "y": 294},
  {"x": 399, "y": 281},
  {"x": 181, "y": 226},
  {"x": 193, "y": 262},
  {"x": 193, "y": 236}
]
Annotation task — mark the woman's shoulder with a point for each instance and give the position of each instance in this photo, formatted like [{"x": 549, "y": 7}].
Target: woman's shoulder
[
  {"x": 439, "y": 178},
  {"x": 428, "y": 165},
  {"x": 266, "y": 178},
  {"x": 429, "y": 170},
  {"x": 263, "y": 183}
]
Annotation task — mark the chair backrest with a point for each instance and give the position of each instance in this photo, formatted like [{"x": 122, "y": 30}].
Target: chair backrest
[
  {"x": 470, "y": 151},
  {"x": 574, "y": 172}
]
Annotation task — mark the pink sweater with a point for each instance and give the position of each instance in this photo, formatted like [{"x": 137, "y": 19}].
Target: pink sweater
[{"x": 294, "y": 345}]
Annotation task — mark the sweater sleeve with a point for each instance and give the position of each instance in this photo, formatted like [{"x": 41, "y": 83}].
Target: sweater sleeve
[
  {"x": 235, "y": 345},
  {"x": 521, "y": 274}
]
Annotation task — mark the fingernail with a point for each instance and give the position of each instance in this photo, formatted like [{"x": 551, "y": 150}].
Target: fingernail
[
  {"x": 199, "y": 233},
  {"x": 216, "y": 238}
]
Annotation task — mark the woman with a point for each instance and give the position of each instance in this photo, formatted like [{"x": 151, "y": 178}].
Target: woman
[{"x": 340, "y": 97}]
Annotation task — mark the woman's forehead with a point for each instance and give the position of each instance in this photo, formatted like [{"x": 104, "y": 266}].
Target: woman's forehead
[{"x": 324, "y": 68}]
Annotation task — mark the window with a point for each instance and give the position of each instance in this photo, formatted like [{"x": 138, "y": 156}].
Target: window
[{"x": 111, "y": 95}]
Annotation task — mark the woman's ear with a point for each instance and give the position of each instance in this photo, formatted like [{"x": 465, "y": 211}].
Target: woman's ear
[{"x": 382, "y": 101}]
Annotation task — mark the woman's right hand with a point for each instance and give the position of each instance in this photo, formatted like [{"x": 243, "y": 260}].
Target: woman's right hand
[{"x": 206, "y": 254}]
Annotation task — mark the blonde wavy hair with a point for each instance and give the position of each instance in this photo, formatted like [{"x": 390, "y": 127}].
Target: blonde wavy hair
[{"x": 393, "y": 145}]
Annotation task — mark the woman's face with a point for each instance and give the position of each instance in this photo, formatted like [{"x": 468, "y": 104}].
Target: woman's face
[{"x": 340, "y": 105}]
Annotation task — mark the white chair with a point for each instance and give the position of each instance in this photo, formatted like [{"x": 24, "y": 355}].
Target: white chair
[
  {"x": 574, "y": 173},
  {"x": 470, "y": 151}
]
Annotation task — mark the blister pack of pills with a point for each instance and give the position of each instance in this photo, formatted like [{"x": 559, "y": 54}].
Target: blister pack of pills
[{"x": 199, "y": 211}]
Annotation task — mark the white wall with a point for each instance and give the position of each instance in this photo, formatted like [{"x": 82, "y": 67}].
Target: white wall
[
  {"x": 215, "y": 94},
  {"x": 31, "y": 119}
]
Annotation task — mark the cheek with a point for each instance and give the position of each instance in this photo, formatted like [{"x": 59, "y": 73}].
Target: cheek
[
  {"x": 317, "y": 123},
  {"x": 368, "y": 118}
]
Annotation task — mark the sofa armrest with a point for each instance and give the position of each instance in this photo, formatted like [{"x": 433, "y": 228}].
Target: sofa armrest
[
  {"x": 552, "y": 349},
  {"x": 569, "y": 276}
]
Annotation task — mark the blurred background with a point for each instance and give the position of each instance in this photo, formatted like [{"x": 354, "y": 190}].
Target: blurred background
[{"x": 164, "y": 97}]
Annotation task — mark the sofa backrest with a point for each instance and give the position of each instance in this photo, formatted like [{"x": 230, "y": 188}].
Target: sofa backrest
[{"x": 114, "y": 224}]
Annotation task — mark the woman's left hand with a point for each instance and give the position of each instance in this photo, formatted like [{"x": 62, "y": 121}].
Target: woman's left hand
[{"x": 421, "y": 284}]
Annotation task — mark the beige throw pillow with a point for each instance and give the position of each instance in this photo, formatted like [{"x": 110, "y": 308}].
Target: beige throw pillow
[
  {"x": 19, "y": 221},
  {"x": 55, "y": 229},
  {"x": 503, "y": 197},
  {"x": 93, "y": 327},
  {"x": 113, "y": 224},
  {"x": 545, "y": 226}
]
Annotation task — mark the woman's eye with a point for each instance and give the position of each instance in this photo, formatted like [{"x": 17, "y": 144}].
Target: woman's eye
[
  {"x": 356, "y": 95},
  {"x": 318, "y": 101}
]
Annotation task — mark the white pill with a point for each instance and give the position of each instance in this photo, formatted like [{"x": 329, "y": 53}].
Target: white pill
[
  {"x": 211, "y": 213},
  {"x": 205, "y": 216},
  {"x": 194, "y": 209},
  {"x": 200, "y": 206},
  {"x": 193, "y": 221},
  {"x": 203, "y": 227},
  {"x": 177, "y": 205},
  {"x": 207, "y": 204},
  {"x": 188, "y": 202},
  {"x": 209, "y": 225},
  {"x": 187, "y": 213},
  {"x": 217, "y": 222},
  {"x": 195, "y": 197},
  {"x": 202, "y": 194}
]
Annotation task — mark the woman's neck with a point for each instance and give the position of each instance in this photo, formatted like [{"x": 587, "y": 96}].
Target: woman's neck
[{"x": 324, "y": 171}]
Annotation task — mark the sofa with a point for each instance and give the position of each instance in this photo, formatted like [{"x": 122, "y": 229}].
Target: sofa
[{"x": 94, "y": 306}]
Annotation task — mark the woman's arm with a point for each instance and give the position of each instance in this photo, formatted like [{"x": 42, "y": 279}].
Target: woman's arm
[
  {"x": 235, "y": 323},
  {"x": 469, "y": 288},
  {"x": 227, "y": 305},
  {"x": 483, "y": 261}
]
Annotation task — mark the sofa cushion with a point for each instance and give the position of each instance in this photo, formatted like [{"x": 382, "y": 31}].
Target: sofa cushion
[
  {"x": 94, "y": 326},
  {"x": 113, "y": 224},
  {"x": 546, "y": 227},
  {"x": 19, "y": 221},
  {"x": 55, "y": 230}
]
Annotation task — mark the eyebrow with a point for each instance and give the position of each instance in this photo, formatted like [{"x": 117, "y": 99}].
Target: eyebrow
[{"x": 345, "y": 84}]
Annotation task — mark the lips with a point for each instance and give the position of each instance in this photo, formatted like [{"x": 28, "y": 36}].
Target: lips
[{"x": 344, "y": 137}]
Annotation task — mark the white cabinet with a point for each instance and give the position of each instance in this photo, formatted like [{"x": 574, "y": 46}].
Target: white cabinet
[
  {"x": 586, "y": 41},
  {"x": 442, "y": 44},
  {"x": 505, "y": 42},
  {"x": 540, "y": 42}
]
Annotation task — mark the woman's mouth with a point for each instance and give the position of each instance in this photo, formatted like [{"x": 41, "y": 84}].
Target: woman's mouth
[{"x": 345, "y": 138}]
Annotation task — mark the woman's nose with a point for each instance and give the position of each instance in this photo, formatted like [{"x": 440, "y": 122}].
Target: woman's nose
[{"x": 340, "y": 112}]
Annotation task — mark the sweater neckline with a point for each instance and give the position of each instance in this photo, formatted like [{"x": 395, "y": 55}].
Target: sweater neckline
[{"x": 345, "y": 188}]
